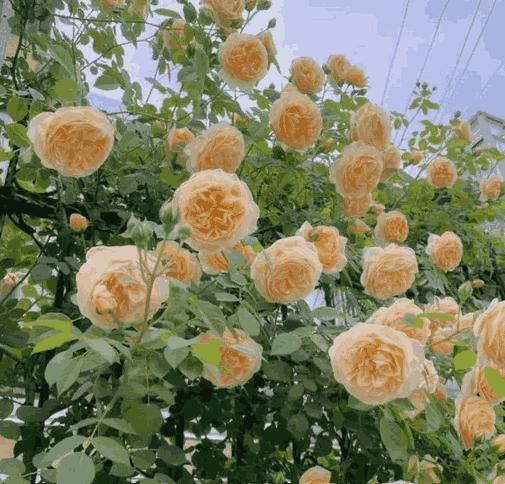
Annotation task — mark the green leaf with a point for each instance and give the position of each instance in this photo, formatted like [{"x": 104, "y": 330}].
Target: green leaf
[
  {"x": 63, "y": 56},
  {"x": 11, "y": 467},
  {"x": 209, "y": 353},
  {"x": 63, "y": 447},
  {"x": 17, "y": 136},
  {"x": 464, "y": 360},
  {"x": 41, "y": 272},
  {"x": 75, "y": 469},
  {"x": 70, "y": 376},
  {"x": 57, "y": 367},
  {"x": 5, "y": 155},
  {"x": 496, "y": 381},
  {"x": 298, "y": 425},
  {"x": 175, "y": 357},
  {"x": 166, "y": 12},
  {"x": 325, "y": 313},
  {"x": 285, "y": 344},
  {"x": 119, "y": 424},
  {"x": 248, "y": 322},
  {"x": 111, "y": 449},
  {"x": 106, "y": 82},
  {"x": 440, "y": 316},
  {"x": 54, "y": 341},
  {"x": 103, "y": 348},
  {"x": 172, "y": 455},
  {"x": 201, "y": 63},
  {"x": 394, "y": 439},
  {"x": 145, "y": 418},
  {"x": 6, "y": 407},
  {"x": 175, "y": 343},
  {"x": 434, "y": 418},
  {"x": 65, "y": 89},
  {"x": 17, "y": 108}
]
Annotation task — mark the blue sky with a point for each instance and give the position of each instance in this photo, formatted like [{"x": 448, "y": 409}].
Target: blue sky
[{"x": 366, "y": 32}]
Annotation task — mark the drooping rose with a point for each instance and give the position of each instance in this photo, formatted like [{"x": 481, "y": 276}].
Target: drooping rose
[
  {"x": 74, "y": 141},
  {"x": 287, "y": 271},
  {"x": 445, "y": 250},
  {"x": 392, "y": 227},
  {"x": 388, "y": 271},
  {"x": 475, "y": 418},
  {"x": 442, "y": 173},
  {"x": 226, "y": 12},
  {"x": 371, "y": 125},
  {"x": 217, "y": 207},
  {"x": 338, "y": 66},
  {"x": 376, "y": 364},
  {"x": 179, "y": 263},
  {"x": 111, "y": 289},
  {"x": 307, "y": 74}
]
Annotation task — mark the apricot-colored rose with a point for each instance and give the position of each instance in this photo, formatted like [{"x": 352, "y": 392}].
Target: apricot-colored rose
[
  {"x": 440, "y": 392},
  {"x": 296, "y": 120},
  {"x": 267, "y": 40},
  {"x": 445, "y": 251},
  {"x": 499, "y": 441},
  {"x": 416, "y": 157},
  {"x": 388, "y": 271},
  {"x": 226, "y": 12},
  {"x": 371, "y": 125},
  {"x": 7, "y": 283},
  {"x": 338, "y": 66},
  {"x": 179, "y": 263},
  {"x": 244, "y": 59},
  {"x": 307, "y": 74},
  {"x": 392, "y": 227},
  {"x": 441, "y": 342},
  {"x": 74, "y": 141},
  {"x": 357, "y": 206},
  {"x": 221, "y": 146},
  {"x": 393, "y": 316},
  {"x": 466, "y": 321},
  {"x": 358, "y": 227},
  {"x": 111, "y": 288},
  {"x": 78, "y": 223},
  {"x": 172, "y": 34},
  {"x": 240, "y": 358},
  {"x": 476, "y": 383},
  {"x": 175, "y": 142},
  {"x": 465, "y": 131},
  {"x": 315, "y": 475},
  {"x": 490, "y": 188},
  {"x": 376, "y": 364},
  {"x": 494, "y": 478},
  {"x": 217, "y": 207},
  {"x": 427, "y": 385},
  {"x": 475, "y": 418},
  {"x": 489, "y": 328},
  {"x": 392, "y": 160},
  {"x": 214, "y": 263},
  {"x": 330, "y": 245},
  {"x": 447, "y": 306},
  {"x": 356, "y": 77},
  {"x": 287, "y": 271},
  {"x": 357, "y": 171},
  {"x": 442, "y": 173},
  {"x": 112, "y": 3}
]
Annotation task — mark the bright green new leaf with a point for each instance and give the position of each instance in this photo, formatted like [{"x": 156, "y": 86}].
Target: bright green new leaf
[
  {"x": 209, "y": 353},
  {"x": 464, "y": 360}
]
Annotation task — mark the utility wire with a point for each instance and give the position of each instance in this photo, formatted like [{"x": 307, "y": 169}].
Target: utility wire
[
  {"x": 479, "y": 38},
  {"x": 395, "y": 51}
]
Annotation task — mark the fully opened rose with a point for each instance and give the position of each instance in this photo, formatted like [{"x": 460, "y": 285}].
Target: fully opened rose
[
  {"x": 392, "y": 227},
  {"x": 376, "y": 364},
  {"x": 179, "y": 263},
  {"x": 111, "y": 289},
  {"x": 475, "y": 418},
  {"x": 307, "y": 74},
  {"x": 74, "y": 141},
  {"x": 442, "y": 173},
  {"x": 371, "y": 125},
  {"x": 226, "y": 12},
  {"x": 287, "y": 271},
  {"x": 217, "y": 207},
  {"x": 445, "y": 250},
  {"x": 489, "y": 328}
]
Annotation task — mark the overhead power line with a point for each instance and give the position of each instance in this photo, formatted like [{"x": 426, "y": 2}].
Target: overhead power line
[{"x": 395, "y": 51}]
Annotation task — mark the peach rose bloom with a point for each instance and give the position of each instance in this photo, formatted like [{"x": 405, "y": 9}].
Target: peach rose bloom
[
  {"x": 315, "y": 475},
  {"x": 489, "y": 328},
  {"x": 179, "y": 263},
  {"x": 371, "y": 125},
  {"x": 442, "y": 173},
  {"x": 307, "y": 74},
  {"x": 112, "y": 3},
  {"x": 388, "y": 271},
  {"x": 172, "y": 34},
  {"x": 499, "y": 441},
  {"x": 176, "y": 140},
  {"x": 393, "y": 316},
  {"x": 475, "y": 418},
  {"x": 78, "y": 223},
  {"x": 244, "y": 60},
  {"x": 74, "y": 141},
  {"x": 377, "y": 208},
  {"x": 221, "y": 146},
  {"x": 494, "y": 478},
  {"x": 478, "y": 283},
  {"x": 111, "y": 290},
  {"x": 7, "y": 283},
  {"x": 355, "y": 77},
  {"x": 338, "y": 66},
  {"x": 440, "y": 392},
  {"x": 240, "y": 358},
  {"x": 440, "y": 341},
  {"x": 224, "y": 12},
  {"x": 465, "y": 131},
  {"x": 217, "y": 207},
  {"x": 392, "y": 227},
  {"x": 296, "y": 120},
  {"x": 215, "y": 263},
  {"x": 445, "y": 251},
  {"x": 428, "y": 385},
  {"x": 267, "y": 40},
  {"x": 376, "y": 364},
  {"x": 475, "y": 383},
  {"x": 287, "y": 271},
  {"x": 490, "y": 189},
  {"x": 357, "y": 206},
  {"x": 357, "y": 170},
  {"x": 392, "y": 160},
  {"x": 416, "y": 157},
  {"x": 447, "y": 306},
  {"x": 330, "y": 245},
  {"x": 358, "y": 227}
]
